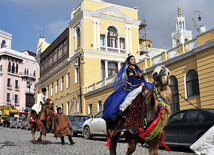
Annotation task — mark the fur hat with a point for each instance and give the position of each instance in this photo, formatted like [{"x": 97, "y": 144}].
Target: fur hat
[
  {"x": 43, "y": 89},
  {"x": 58, "y": 108}
]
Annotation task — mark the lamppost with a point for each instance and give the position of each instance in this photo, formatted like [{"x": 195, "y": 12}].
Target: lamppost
[
  {"x": 200, "y": 28},
  {"x": 78, "y": 65}
]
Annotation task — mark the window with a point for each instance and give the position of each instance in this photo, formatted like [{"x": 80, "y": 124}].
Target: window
[
  {"x": 78, "y": 104},
  {"x": 9, "y": 67},
  {"x": 78, "y": 36},
  {"x": 65, "y": 48},
  {"x": 103, "y": 70},
  {"x": 176, "y": 118},
  {"x": 102, "y": 40},
  {"x": 9, "y": 83},
  {"x": 99, "y": 106},
  {"x": 60, "y": 51},
  {"x": 26, "y": 71},
  {"x": 67, "y": 108},
  {"x": 50, "y": 59},
  {"x": 191, "y": 116},
  {"x": 16, "y": 84},
  {"x": 90, "y": 109},
  {"x": 68, "y": 80},
  {"x": 174, "y": 102},
  {"x": 122, "y": 43},
  {"x": 17, "y": 68},
  {"x": 52, "y": 89},
  {"x": 8, "y": 97},
  {"x": 192, "y": 85},
  {"x": 46, "y": 63},
  {"x": 76, "y": 75},
  {"x": 62, "y": 83},
  {"x": 55, "y": 56},
  {"x": 112, "y": 68},
  {"x": 3, "y": 44},
  {"x": 75, "y": 105},
  {"x": 47, "y": 92},
  {"x": 112, "y": 37},
  {"x": 13, "y": 68},
  {"x": 16, "y": 98},
  {"x": 99, "y": 115},
  {"x": 57, "y": 83}
]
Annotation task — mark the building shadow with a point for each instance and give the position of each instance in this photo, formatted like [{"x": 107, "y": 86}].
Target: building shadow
[{"x": 6, "y": 143}]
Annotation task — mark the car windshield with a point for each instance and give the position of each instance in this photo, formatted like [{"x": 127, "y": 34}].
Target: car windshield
[
  {"x": 80, "y": 118},
  {"x": 21, "y": 118}
]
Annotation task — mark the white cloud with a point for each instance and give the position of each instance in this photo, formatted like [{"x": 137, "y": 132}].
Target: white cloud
[{"x": 57, "y": 28}]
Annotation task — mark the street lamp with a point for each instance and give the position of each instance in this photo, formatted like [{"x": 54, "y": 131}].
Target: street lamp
[
  {"x": 77, "y": 65},
  {"x": 200, "y": 28}
]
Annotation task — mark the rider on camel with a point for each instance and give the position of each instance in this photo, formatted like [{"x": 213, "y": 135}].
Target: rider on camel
[{"x": 36, "y": 109}]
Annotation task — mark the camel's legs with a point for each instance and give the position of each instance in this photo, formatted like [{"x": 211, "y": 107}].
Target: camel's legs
[
  {"x": 33, "y": 133},
  {"x": 40, "y": 137},
  {"x": 155, "y": 143},
  {"x": 113, "y": 146},
  {"x": 44, "y": 140},
  {"x": 132, "y": 141}
]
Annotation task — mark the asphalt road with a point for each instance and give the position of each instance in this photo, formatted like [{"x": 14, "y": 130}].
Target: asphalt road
[{"x": 19, "y": 142}]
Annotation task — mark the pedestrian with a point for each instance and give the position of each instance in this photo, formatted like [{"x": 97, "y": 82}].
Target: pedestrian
[
  {"x": 61, "y": 127},
  {"x": 36, "y": 108}
]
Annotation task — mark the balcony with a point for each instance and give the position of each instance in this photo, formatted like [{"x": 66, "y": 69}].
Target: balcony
[
  {"x": 17, "y": 88},
  {"x": 112, "y": 49},
  {"x": 9, "y": 86}
]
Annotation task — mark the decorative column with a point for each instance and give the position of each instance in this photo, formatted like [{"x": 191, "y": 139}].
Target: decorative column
[
  {"x": 130, "y": 36},
  {"x": 118, "y": 44},
  {"x": 106, "y": 69},
  {"x": 72, "y": 41},
  {"x": 119, "y": 65},
  {"x": 95, "y": 41},
  {"x": 81, "y": 33},
  {"x": 106, "y": 42},
  {"x": 127, "y": 41},
  {"x": 98, "y": 35}
]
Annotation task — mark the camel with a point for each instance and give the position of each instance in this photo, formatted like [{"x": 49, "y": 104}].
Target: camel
[
  {"x": 154, "y": 105},
  {"x": 45, "y": 121}
]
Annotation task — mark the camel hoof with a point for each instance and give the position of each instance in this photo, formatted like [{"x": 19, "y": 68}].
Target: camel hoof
[
  {"x": 45, "y": 143},
  {"x": 34, "y": 142},
  {"x": 38, "y": 140}
]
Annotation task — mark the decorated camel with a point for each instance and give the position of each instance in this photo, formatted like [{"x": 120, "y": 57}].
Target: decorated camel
[
  {"x": 45, "y": 122},
  {"x": 145, "y": 117}
]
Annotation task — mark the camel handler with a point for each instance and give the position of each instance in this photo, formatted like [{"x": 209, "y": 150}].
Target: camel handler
[
  {"x": 61, "y": 127},
  {"x": 36, "y": 109}
]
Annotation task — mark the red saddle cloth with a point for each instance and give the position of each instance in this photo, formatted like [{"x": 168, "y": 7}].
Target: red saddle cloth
[{"x": 33, "y": 122}]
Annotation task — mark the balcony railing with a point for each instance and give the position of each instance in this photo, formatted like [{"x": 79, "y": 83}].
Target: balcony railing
[
  {"x": 189, "y": 45},
  {"x": 112, "y": 49},
  {"x": 9, "y": 86},
  {"x": 100, "y": 84},
  {"x": 110, "y": 80},
  {"x": 157, "y": 59},
  {"x": 173, "y": 52}
]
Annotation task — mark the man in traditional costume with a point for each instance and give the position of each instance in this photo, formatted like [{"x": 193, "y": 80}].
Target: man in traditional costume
[{"x": 61, "y": 128}]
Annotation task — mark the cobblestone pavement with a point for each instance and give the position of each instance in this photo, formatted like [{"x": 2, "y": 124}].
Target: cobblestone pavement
[{"x": 19, "y": 142}]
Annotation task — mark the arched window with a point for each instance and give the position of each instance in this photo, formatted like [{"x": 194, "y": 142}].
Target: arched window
[
  {"x": 192, "y": 85},
  {"x": 78, "y": 36},
  {"x": 3, "y": 44},
  {"x": 174, "y": 103},
  {"x": 9, "y": 67},
  {"x": 17, "y": 68},
  {"x": 13, "y": 68},
  {"x": 112, "y": 37}
]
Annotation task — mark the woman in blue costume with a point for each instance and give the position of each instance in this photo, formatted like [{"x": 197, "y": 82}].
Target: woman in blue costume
[{"x": 128, "y": 84}]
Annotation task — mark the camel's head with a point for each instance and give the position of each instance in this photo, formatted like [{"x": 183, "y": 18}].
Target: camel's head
[
  {"x": 161, "y": 74},
  {"x": 49, "y": 103}
]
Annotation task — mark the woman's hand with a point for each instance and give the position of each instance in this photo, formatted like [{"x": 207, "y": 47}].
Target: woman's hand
[
  {"x": 142, "y": 84},
  {"x": 139, "y": 74}
]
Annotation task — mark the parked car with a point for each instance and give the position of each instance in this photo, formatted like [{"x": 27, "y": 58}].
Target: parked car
[
  {"x": 95, "y": 126},
  {"x": 2, "y": 118},
  {"x": 7, "y": 121},
  {"x": 25, "y": 124},
  {"x": 185, "y": 127},
  {"x": 16, "y": 123},
  {"x": 77, "y": 122}
]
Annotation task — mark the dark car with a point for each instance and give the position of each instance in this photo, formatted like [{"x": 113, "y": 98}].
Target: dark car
[
  {"x": 77, "y": 122},
  {"x": 7, "y": 121},
  {"x": 185, "y": 127},
  {"x": 25, "y": 124}
]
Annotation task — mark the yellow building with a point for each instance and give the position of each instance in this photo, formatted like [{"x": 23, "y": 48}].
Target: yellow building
[
  {"x": 191, "y": 65},
  {"x": 87, "y": 55}
]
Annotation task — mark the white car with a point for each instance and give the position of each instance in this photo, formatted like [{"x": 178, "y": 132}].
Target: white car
[{"x": 95, "y": 126}]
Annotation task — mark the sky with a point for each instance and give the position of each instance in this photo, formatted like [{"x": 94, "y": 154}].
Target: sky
[{"x": 24, "y": 18}]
